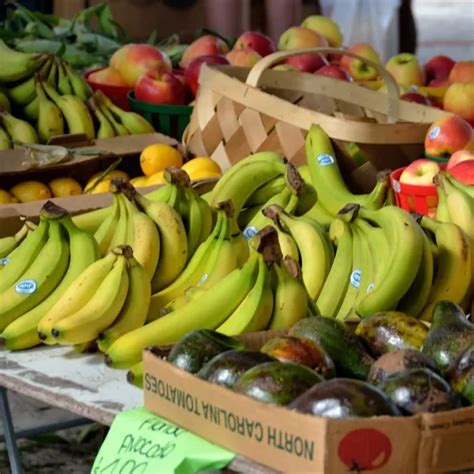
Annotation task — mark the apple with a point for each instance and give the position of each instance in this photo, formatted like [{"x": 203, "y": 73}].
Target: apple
[
  {"x": 191, "y": 73},
  {"x": 401, "y": 89},
  {"x": 333, "y": 71},
  {"x": 416, "y": 97},
  {"x": 118, "y": 57},
  {"x": 444, "y": 83},
  {"x": 459, "y": 99},
  {"x": 284, "y": 67},
  {"x": 157, "y": 87},
  {"x": 463, "y": 71},
  {"x": 207, "y": 45},
  {"x": 257, "y": 41},
  {"x": 420, "y": 173},
  {"x": 306, "y": 62},
  {"x": 359, "y": 70},
  {"x": 458, "y": 157},
  {"x": 298, "y": 37},
  {"x": 324, "y": 26},
  {"x": 447, "y": 135},
  {"x": 243, "y": 57},
  {"x": 405, "y": 69},
  {"x": 107, "y": 76},
  {"x": 438, "y": 67},
  {"x": 464, "y": 172}
]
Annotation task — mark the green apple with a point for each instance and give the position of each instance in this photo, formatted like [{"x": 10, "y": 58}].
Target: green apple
[{"x": 405, "y": 69}]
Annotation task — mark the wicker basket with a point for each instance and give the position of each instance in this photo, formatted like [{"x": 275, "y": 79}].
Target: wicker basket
[{"x": 240, "y": 111}]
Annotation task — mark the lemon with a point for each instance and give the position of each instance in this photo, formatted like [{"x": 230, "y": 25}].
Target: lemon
[
  {"x": 202, "y": 167},
  {"x": 28, "y": 191},
  {"x": 139, "y": 181},
  {"x": 61, "y": 187},
  {"x": 156, "y": 178},
  {"x": 6, "y": 197},
  {"x": 107, "y": 178},
  {"x": 157, "y": 157}
]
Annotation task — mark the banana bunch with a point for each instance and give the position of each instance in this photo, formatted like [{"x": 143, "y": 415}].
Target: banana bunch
[
  {"x": 11, "y": 242},
  {"x": 37, "y": 271},
  {"x": 14, "y": 132}
]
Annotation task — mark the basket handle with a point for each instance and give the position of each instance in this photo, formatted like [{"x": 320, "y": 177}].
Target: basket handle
[{"x": 261, "y": 66}]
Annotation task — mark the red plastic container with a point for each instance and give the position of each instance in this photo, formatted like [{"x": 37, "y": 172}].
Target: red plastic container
[
  {"x": 117, "y": 94},
  {"x": 412, "y": 198}
]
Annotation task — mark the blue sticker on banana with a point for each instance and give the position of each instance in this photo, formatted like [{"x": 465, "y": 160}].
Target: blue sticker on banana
[
  {"x": 4, "y": 261},
  {"x": 26, "y": 287},
  {"x": 370, "y": 287},
  {"x": 355, "y": 278},
  {"x": 325, "y": 159},
  {"x": 250, "y": 232}
]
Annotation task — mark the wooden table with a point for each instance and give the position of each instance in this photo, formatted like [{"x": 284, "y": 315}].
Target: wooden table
[{"x": 79, "y": 383}]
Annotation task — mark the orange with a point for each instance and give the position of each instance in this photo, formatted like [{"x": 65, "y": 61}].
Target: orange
[
  {"x": 202, "y": 167},
  {"x": 156, "y": 178},
  {"x": 28, "y": 191},
  {"x": 157, "y": 157},
  {"x": 61, "y": 187}
]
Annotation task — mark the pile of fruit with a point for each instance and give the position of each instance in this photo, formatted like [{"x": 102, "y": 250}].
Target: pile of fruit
[{"x": 392, "y": 364}]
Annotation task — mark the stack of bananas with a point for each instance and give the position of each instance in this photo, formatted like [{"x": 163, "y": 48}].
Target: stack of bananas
[{"x": 48, "y": 98}]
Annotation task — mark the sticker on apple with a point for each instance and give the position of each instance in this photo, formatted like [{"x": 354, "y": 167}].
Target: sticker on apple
[
  {"x": 356, "y": 275},
  {"x": 25, "y": 287},
  {"x": 250, "y": 232},
  {"x": 325, "y": 159},
  {"x": 365, "y": 449},
  {"x": 434, "y": 132}
]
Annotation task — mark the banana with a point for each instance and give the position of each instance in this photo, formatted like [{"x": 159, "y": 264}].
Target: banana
[
  {"x": 334, "y": 289},
  {"x": 4, "y": 101},
  {"x": 367, "y": 266},
  {"x": 79, "y": 87},
  {"x": 173, "y": 241},
  {"x": 453, "y": 275},
  {"x": 262, "y": 194},
  {"x": 468, "y": 189},
  {"x": 39, "y": 280},
  {"x": 122, "y": 229},
  {"x": 135, "y": 375},
  {"x": 50, "y": 119},
  {"x": 31, "y": 110},
  {"x": 76, "y": 296},
  {"x": 191, "y": 214},
  {"x": 215, "y": 307},
  {"x": 20, "y": 131},
  {"x": 102, "y": 308},
  {"x": 207, "y": 219},
  {"x": 11, "y": 242},
  {"x": 135, "y": 309},
  {"x": 5, "y": 141},
  {"x": 21, "y": 258},
  {"x": 75, "y": 112},
  {"x": 319, "y": 214},
  {"x": 327, "y": 180},
  {"x": 22, "y": 333},
  {"x": 105, "y": 233},
  {"x": 287, "y": 244},
  {"x": 119, "y": 129},
  {"x": 255, "y": 310},
  {"x": 91, "y": 221},
  {"x": 291, "y": 297},
  {"x": 63, "y": 85},
  {"x": 442, "y": 214},
  {"x": 17, "y": 65},
  {"x": 105, "y": 130}
]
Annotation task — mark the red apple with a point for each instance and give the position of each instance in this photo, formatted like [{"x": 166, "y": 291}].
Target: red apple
[
  {"x": 459, "y": 99},
  {"x": 134, "y": 60},
  {"x": 416, "y": 97},
  {"x": 326, "y": 27},
  {"x": 464, "y": 172},
  {"x": 298, "y": 37},
  {"x": 333, "y": 71},
  {"x": 438, "y": 67},
  {"x": 447, "y": 135},
  {"x": 420, "y": 173},
  {"x": 359, "y": 70},
  {"x": 191, "y": 73},
  {"x": 107, "y": 76},
  {"x": 259, "y": 42},
  {"x": 243, "y": 57},
  {"x": 439, "y": 83},
  {"x": 208, "y": 45},
  {"x": 307, "y": 62},
  {"x": 458, "y": 157},
  {"x": 405, "y": 69},
  {"x": 463, "y": 71},
  {"x": 160, "y": 88}
]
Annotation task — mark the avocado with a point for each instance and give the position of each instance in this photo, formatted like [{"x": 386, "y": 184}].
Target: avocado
[
  {"x": 197, "y": 347},
  {"x": 301, "y": 351},
  {"x": 391, "y": 331},
  {"x": 226, "y": 368},
  {"x": 419, "y": 391},
  {"x": 398, "y": 361},
  {"x": 344, "y": 398},
  {"x": 450, "y": 334},
  {"x": 461, "y": 374},
  {"x": 276, "y": 382},
  {"x": 343, "y": 346}
]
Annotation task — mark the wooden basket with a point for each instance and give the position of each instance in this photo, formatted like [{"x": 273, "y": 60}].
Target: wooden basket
[{"x": 239, "y": 111}]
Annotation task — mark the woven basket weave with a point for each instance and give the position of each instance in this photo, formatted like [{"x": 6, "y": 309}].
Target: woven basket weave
[{"x": 239, "y": 111}]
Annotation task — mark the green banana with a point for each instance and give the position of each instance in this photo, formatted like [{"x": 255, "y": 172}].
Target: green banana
[
  {"x": 5, "y": 141},
  {"x": 50, "y": 119},
  {"x": 17, "y": 65},
  {"x": 79, "y": 87},
  {"x": 20, "y": 131},
  {"x": 11, "y": 242}
]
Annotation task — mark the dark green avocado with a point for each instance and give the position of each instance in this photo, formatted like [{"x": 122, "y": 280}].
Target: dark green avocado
[
  {"x": 226, "y": 368},
  {"x": 344, "y": 398},
  {"x": 197, "y": 347},
  {"x": 276, "y": 382},
  {"x": 461, "y": 374},
  {"x": 419, "y": 391}
]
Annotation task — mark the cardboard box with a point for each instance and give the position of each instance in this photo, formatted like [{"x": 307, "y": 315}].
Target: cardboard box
[{"x": 293, "y": 442}]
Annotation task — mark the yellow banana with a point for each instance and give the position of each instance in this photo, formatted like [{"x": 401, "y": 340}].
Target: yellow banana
[
  {"x": 79, "y": 86},
  {"x": 91, "y": 221},
  {"x": 20, "y": 131},
  {"x": 11, "y": 242},
  {"x": 50, "y": 119},
  {"x": 105, "y": 130},
  {"x": 135, "y": 375},
  {"x": 105, "y": 233}
]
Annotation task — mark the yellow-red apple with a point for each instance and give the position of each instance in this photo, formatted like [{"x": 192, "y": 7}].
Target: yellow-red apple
[
  {"x": 438, "y": 67},
  {"x": 298, "y": 37},
  {"x": 359, "y": 70},
  {"x": 459, "y": 99},
  {"x": 191, "y": 73},
  {"x": 420, "y": 173},
  {"x": 207, "y": 45},
  {"x": 458, "y": 157},
  {"x": 405, "y": 69},
  {"x": 307, "y": 62},
  {"x": 447, "y": 135},
  {"x": 243, "y": 57},
  {"x": 257, "y": 41},
  {"x": 333, "y": 71},
  {"x": 156, "y": 87},
  {"x": 416, "y": 97},
  {"x": 108, "y": 76},
  {"x": 464, "y": 172},
  {"x": 462, "y": 71},
  {"x": 324, "y": 26}
]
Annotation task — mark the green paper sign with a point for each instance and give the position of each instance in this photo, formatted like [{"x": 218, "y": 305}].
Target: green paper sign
[{"x": 140, "y": 442}]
